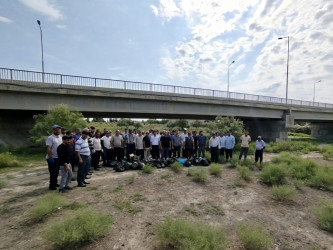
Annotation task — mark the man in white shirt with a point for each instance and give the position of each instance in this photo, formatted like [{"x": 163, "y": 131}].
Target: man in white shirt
[
  {"x": 182, "y": 137},
  {"x": 138, "y": 141},
  {"x": 214, "y": 147},
  {"x": 155, "y": 145},
  {"x": 245, "y": 141},
  {"x": 106, "y": 140}
]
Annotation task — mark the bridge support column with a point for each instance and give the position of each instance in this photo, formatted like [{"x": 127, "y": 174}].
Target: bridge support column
[
  {"x": 269, "y": 129},
  {"x": 322, "y": 130}
]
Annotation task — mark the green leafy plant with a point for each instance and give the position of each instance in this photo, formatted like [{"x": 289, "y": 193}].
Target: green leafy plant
[
  {"x": 283, "y": 192},
  {"x": 77, "y": 229},
  {"x": 254, "y": 237},
  {"x": 244, "y": 173},
  {"x": 324, "y": 213},
  {"x": 327, "y": 152},
  {"x": 215, "y": 169},
  {"x": 198, "y": 175},
  {"x": 176, "y": 167},
  {"x": 182, "y": 234},
  {"x": 323, "y": 179},
  {"x": 273, "y": 175},
  {"x": 8, "y": 160},
  {"x": 148, "y": 169}
]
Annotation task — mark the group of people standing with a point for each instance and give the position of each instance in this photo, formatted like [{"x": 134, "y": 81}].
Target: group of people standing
[{"x": 85, "y": 148}]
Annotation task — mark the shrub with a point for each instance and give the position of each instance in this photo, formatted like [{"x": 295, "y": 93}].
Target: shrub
[
  {"x": 327, "y": 152},
  {"x": 234, "y": 162},
  {"x": 198, "y": 175},
  {"x": 299, "y": 184},
  {"x": 244, "y": 173},
  {"x": 77, "y": 229},
  {"x": 322, "y": 179},
  {"x": 125, "y": 205},
  {"x": 286, "y": 158},
  {"x": 283, "y": 192},
  {"x": 48, "y": 204},
  {"x": 303, "y": 169},
  {"x": 176, "y": 167},
  {"x": 294, "y": 146},
  {"x": 273, "y": 175},
  {"x": 324, "y": 213},
  {"x": 3, "y": 183},
  {"x": 254, "y": 237},
  {"x": 8, "y": 160},
  {"x": 148, "y": 169},
  {"x": 215, "y": 169},
  {"x": 185, "y": 235}
]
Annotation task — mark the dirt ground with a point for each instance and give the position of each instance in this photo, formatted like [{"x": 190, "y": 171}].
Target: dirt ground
[{"x": 162, "y": 194}]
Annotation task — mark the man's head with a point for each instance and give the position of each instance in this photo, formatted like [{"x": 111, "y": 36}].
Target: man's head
[
  {"x": 69, "y": 133},
  {"x": 189, "y": 134},
  {"x": 85, "y": 134},
  {"x": 259, "y": 138},
  {"x": 229, "y": 132},
  {"x": 126, "y": 130},
  {"x": 78, "y": 131},
  {"x": 104, "y": 130},
  {"x": 66, "y": 139},
  {"x": 56, "y": 129},
  {"x": 201, "y": 133},
  {"x": 147, "y": 133},
  {"x": 98, "y": 134},
  {"x": 177, "y": 132},
  {"x": 154, "y": 132},
  {"x": 185, "y": 130},
  {"x": 117, "y": 132},
  {"x": 140, "y": 133},
  {"x": 214, "y": 135},
  {"x": 130, "y": 131},
  {"x": 92, "y": 130},
  {"x": 194, "y": 133},
  {"x": 246, "y": 133},
  {"x": 63, "y": 131}
]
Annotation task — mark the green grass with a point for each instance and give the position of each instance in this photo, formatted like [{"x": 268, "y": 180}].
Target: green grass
[
  {"x": 327, "y": 152},
  {"x": 299, "y": 184},
  {"x": 324, "y": 214},
  {"x": 299, "y": 135},
  {"x": 117, "y": 189},
  {"x": 292, "y": 146},
  {"x": 215, "y": 169},
  {"x": 176, "y": 167},
  {"x": 148, "y": 169},
  {"x": 244, "y": 173},
  {"x": 46, "y": 205},
  {"x": 283, "y": 192},
  {"x": 273, "y": 174},
  {"x": 198, "y": 175},
  {"x": 3, "y": 183},
  {"x": 215, "y": 210},
  {"x": 323, "y": 178},
  {"x": 75, "y": 230},
  {"x": 254, "y": 237},
  {"x": 8, "y": 160},
  {"x": 130, "y": 180},
  {"x": 76, "y": 206},
  {"x": 126, "y": 205},
  {"x": 181, "y": 234},
  {"x": 234, "y": 162},
  {"x": 167, "y": 176}
]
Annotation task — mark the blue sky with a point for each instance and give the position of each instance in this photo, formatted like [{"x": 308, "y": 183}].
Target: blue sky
[{"x": 184, "y": 42}]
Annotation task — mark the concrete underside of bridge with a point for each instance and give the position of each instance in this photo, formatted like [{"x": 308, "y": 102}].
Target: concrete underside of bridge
[{"x": 19, "y": 102}]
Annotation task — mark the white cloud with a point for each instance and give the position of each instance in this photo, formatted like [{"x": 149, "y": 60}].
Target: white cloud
[
  {"x": 61, "y": 26},
  {"x": 5, "y": 20},
  {"x": 45, "y": 7}
]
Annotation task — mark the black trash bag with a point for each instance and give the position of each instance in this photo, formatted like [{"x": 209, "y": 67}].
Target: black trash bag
[
  {"x": 158, "y": 165},
  {"x": 140, "y": 166},
  {"x": 187, "y": 163},
  {"x": 164, "y": 163},
  {"x": 134, "y": 165},
  {"x": 119, "y": 167},
  {"x": 127, "y": 165},
  {"x": 197, "y": 161},
  {"x": 113, "y": 164},
  {"x": 204, "y": 162},
  {"x": 170, "y": 161},
  {"x": 192, "y": 161}
]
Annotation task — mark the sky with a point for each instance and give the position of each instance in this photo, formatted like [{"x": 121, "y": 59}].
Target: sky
[{"x": 184, "y": 43}]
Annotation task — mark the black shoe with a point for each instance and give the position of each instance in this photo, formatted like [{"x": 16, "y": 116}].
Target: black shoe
[
  {"x": 81, "y": 185},
  {"x": 68, "y": 188},
  {"x": 88, "y": 177},
  {"x": 63, "y": 190},
  {"x": 57, "y": 185},
  {"x": 73, "y": 179},
  {"x": 89, "y": 173},
  {"x": 86, "y": 182},
  {"x": 52, "y": 188},
  {"x": 97, "y": 169}
]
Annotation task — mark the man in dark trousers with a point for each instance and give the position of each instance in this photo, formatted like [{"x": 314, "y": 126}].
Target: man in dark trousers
[{"x": 64, "y": 158}]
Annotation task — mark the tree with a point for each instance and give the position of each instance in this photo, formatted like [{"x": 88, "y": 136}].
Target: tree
[
  {"x": 181, "y": 124},
  {"x": 60, "y": 115},
  {"x": 137, "y": 125},
  {"x": 125, "y": 122},
  {"x": 224, "y": 124},
  {"x": 197, "y": 124},
  {"x": 97, "y": 120}
]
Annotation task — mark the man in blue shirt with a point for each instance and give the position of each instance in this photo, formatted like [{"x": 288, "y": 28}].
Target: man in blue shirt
[
  {"x": 229, "y": 145},
  {"x": 260, "y": 146},
  {"x": 201, "y": 144}
]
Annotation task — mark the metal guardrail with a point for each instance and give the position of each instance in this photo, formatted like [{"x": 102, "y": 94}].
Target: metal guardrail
[{"x": 36, "y": 79}]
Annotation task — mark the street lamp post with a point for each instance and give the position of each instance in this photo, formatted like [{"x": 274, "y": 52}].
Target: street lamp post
[
  {"x": 314, "y": 91},
  {"x": 287, "y": 68},
  {"x": 41, "y": 42},
  {"x": 228, "y": 75}
]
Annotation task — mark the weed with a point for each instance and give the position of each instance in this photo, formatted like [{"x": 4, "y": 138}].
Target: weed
[
  {"x": 167, "y": 176},
  {"x": 324, "y": 213},
  {"x": 246, "y": 163},
  {"x": 77, "y": 229},
  {"x": 176, "y": 167},
  {"x": 48, "y": 204},
  {"x": 273, "y": 175},
  {"x": 125, "y": 205},
  {"x": 215, "y": 169},
  {"x": 185, "y": 235},
  {"x": 254, "y": 237},
  {"x": 239, "y": 182},
  {"x": 3, "y": 183},
  {"x": 193, "y": 211},
  {"x": 8, "y": 160},
  {"x": 221, "y": 159},
  {"x": 323, "y": 179},
  {"x": 234, "y": 163},
  {"x": 117, "y": 189},
  {"x": 299, "y": 184},
  {"x": 137, "y": 197},
  {"x": 215, "y": 210},
  {"x": 148, "y": 169},
  {"x": 198, "y": 175},
  {"x": 294, "y": 146},
  {"x": 75, "y": 206},
  {"x": 303, "y": 169},
  {"x": 327, "y": 152},
  {"x": 131, "y": 179},
  {"x": 244, "y": 173},
  {"x": 283, "y": 192}
]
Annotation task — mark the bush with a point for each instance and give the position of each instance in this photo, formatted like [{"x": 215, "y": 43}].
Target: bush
[
  {"x": 294, "y": 146},
  {"x": 198, "y": 175},
  {"x": 299, "y": 184},
  {"x": 273, "y": 175},
  {"x": 327, "y": 152},
  {"x": 3, "y": 183},
  {"x": 304, "y": 169},
  {"x": 244, "y": 173},
  {"x": 176, "y": 167},
  {"x": 305, "y": 129},
  {"x": 215, "y": 169},
  {"x": 77, "y": 229},
  {"x": 324, "y": 213},
  {"x": 8, "y": 160},
  {"x": 185, "y": 235},
  {"x": 254, "y": 237},
  {"x": 283, "y": 192},
  {"x": 322, "y": 179},
  {"x": 148, "y": 169},
  {"x": 48, "y": 204},
  {"x": 298, "y": 134},
  {"x": 234, "y": 162}
]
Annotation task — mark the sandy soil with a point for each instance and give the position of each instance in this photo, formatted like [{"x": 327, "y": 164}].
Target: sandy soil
[{"x": 163, "y": 194}]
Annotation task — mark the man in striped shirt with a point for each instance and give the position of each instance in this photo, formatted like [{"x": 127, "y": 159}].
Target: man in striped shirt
[{"x": 83, "y": 154}]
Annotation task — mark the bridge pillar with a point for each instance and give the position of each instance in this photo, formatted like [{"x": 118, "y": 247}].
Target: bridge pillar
[
  {"x": 270, "y": 129},
  {"x": 15, "y": 129},
  {"x": 322, "y": 130}
]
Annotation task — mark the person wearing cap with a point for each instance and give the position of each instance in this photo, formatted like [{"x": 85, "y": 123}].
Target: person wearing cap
[
  {"x": 64, "y": 158},
  {"x": 260, "y": 146},
  {"x": 183, "y": 136},
  {"x": 52, "y": 142},
  {"x": 229, "y": 145},
  {"x": 138, "y": 141},
  {"x": 214, "y": 147},
  {"x": 83, "y": 154},
  {"x": 245, "y": 141},
  {"x": 188, "y": 146},
  {"x": 201, "y": 144}
]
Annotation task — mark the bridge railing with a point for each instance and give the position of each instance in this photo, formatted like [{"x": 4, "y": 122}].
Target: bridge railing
[{"x": 38, "y": 79}]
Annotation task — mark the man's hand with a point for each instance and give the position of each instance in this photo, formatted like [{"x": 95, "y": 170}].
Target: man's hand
[
  {"x": 67, "y": 167},
  {"x": 50, "y": 160},
  {"x": 80, "y": 160}
]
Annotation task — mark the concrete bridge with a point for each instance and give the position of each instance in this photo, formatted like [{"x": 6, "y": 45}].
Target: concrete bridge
[{"x": 25, "y": 93}]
